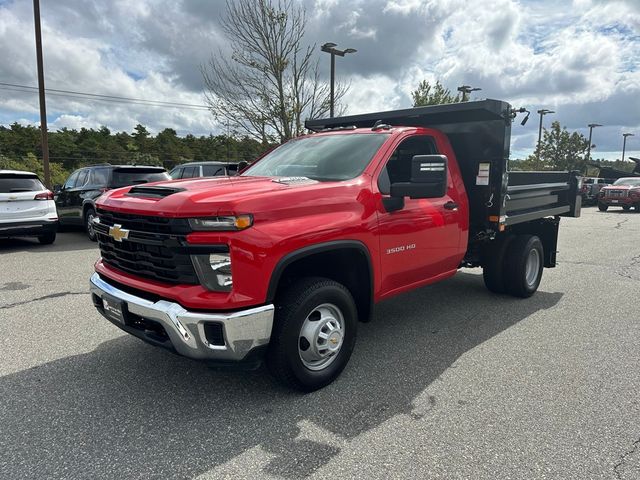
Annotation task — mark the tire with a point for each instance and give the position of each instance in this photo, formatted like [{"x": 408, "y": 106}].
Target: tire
[
  {"x": 47, "y": 238},
  {"x": 88, "y": 217},
  {"x": 524, "y": 264},
  {"x": 626, "y": 208},
  {"x": 602, "y": 207},
  {"x": 304, "y": 303},
  {"x": 493, "y": 264}
]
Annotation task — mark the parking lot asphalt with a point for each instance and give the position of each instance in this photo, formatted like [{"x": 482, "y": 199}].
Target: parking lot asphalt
[{"x": 448, "y": 381}]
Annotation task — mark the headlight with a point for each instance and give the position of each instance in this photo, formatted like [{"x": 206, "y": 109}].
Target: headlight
[
  {"x": 214, "y": 271},
  {"x": 237, "y": 222}
]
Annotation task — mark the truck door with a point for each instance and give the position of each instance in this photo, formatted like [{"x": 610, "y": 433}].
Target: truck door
[{"x": 421, "y": 240}]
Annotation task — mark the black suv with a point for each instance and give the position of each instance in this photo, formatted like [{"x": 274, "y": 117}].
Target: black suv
[
  {"x": 75, "y": 199},
  {"x": 204, "y": 169}
]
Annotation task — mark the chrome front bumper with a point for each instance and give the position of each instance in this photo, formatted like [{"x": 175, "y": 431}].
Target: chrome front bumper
[{"x": 243, "y": 331}]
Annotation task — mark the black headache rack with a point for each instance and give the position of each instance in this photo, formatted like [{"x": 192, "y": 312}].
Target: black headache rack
[{"x": 480, "y": 134}]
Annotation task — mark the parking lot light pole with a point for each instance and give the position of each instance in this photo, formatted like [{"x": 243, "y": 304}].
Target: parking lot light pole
[
  {"x": 331, "y": 49},
  {"x": 542, "y": 112},
  {"x": 624, "y": 142},
  {"x": 591, "y": 127},
  {"x": 466, "y": 90},
  {"x": 43, "y": 108}
]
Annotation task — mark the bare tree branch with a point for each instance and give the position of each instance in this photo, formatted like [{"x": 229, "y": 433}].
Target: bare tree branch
[{"x": 270, "y": 84}]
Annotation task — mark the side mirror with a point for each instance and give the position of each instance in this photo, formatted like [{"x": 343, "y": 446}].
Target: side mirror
[
  {"x": 242, "y": 164},
  {"x": 57, "y": 187},
  {"x": 428, "y": 178}
]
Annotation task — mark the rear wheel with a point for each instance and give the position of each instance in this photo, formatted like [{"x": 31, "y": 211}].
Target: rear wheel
[
  {"x": 524, "y": 265},
  {"x": 602, "y": 207},
  {"x": 89, "y": 215},
  {"x": 314, "y": 333},
  {"x": 47, "y": 238}
]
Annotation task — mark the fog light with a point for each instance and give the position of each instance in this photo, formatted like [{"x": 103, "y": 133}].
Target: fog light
[
  {"x": 214, "y": 270},
  {"x": 221, "y": 264}
]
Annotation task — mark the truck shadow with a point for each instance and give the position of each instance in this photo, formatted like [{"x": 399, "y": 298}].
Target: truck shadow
[{"x": 127, "y": 409}]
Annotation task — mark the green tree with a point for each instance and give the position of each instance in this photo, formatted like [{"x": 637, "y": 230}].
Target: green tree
[
  {"x": 437, "y": 94},
  {"x": 559, "y": 150}
]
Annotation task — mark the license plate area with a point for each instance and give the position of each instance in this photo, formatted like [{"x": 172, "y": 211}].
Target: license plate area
[{"x": 114, "y": 309}]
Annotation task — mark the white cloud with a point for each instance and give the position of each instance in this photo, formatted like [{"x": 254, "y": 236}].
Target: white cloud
[{"x": 582, "y": 61}]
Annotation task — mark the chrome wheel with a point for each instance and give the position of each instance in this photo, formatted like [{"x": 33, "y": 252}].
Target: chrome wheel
[
  {"x": 532, "y": 267},
  {"x": 321, "y": 336},
  {"x": 90, "y": 230}
]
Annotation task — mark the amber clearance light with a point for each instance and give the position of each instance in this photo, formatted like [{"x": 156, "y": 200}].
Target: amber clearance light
[{"x": 236, "y": 222}]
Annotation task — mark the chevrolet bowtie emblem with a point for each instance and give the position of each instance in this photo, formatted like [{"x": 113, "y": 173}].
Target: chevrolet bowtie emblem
[{"x": 118, "y": 233}]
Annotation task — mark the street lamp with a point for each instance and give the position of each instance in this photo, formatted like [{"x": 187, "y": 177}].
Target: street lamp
[
  {"x": 331, "y": 49},
  {"x": 542, "y": 113},
  {"x": 466, "y": 90},
  {"x": 624, "y": 142},
  {"x": 591, "y": 127}
]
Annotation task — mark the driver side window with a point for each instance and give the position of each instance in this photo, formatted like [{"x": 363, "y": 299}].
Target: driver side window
[
  {"x": 71, "y": 181},
  {"x": 398, "y": 167}
]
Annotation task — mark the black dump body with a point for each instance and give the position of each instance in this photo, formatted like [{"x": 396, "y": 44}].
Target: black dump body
[
  {"x": 480, "y": 134},
  {"x": 612, "y": 173}
]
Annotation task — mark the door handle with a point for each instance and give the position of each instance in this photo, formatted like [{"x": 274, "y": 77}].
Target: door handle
[{"x": 451, "y": 205}]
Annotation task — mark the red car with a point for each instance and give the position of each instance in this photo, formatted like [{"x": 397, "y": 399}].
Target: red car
[{"x": 625, "y": 193}]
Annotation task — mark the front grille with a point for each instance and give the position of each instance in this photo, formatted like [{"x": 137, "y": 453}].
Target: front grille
[
  {"x": 142, "y": 223},
  {"x": 145, "y": 252},
  {"x": 616, "y": 193}
]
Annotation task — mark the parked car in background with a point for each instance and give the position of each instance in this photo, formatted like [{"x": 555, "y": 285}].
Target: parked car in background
[
  {"x": 625, "y": 193},
  {"x": 591, "y": 187},
  {"x": 75, "y": 199},
  {"x": 204, "y": 169},
  {"x": 26, "y": 207}
]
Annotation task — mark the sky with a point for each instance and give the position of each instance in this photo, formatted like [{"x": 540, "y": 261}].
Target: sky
[{"x": 580, "y": 58}]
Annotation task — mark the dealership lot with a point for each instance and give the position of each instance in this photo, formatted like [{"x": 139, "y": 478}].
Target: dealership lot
[{"x": 448, "y": 381}]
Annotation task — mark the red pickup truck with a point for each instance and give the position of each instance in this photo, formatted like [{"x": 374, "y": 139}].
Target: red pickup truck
[{"x": 282, "y": 261}]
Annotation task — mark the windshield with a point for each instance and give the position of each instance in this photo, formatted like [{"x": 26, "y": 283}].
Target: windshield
[
  {"x": 12, "y": 183},
  {"x": 632, "y": 182},
  {"x": 124, "y": 177},
  {"x": 322, "y": 157}
]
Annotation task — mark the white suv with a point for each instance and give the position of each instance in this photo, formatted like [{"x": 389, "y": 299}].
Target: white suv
[{"x": 27, "y": 208}]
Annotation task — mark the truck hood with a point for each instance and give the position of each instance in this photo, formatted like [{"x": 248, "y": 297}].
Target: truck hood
[{"x": 223, "y": 196}]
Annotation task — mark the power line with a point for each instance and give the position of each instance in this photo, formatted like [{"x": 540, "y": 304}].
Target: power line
[{"x": 104, "y": 98}]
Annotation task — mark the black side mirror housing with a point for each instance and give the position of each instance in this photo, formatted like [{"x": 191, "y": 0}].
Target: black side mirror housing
[
  {"x": 428, "y": 178},
  {"x": 242, "y": 164},
  {"x": 57, "y": 187}
]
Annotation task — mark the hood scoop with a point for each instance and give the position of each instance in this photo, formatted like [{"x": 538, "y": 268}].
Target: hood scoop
[{"x": 153, "y": 192}]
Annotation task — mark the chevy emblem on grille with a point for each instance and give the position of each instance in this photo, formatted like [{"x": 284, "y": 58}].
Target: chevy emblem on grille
[{"x": 118, "y": 233}]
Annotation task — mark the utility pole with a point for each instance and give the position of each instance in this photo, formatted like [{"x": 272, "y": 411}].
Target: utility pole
[
  {"x": 542, "y": 113},
  {"x": 330, "y": 48},
  {"x": 43, "y": 107},
  {"x": 624, "y": 142},
  {"x": 466, "y": 90}
]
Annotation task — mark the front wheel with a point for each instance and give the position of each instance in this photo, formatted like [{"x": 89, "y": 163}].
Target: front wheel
[
  {"x": 524, "y": 266},
  {"x": 602, "y": 207},
  {"x": 314, "y": 333},
  {"x": 89, "y": 215}
]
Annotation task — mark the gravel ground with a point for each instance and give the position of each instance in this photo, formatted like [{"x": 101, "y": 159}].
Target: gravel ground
[{"x": 447, "y": 382}]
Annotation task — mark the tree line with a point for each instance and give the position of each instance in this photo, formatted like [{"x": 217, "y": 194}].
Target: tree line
[{"x": 20, "y": 148}]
